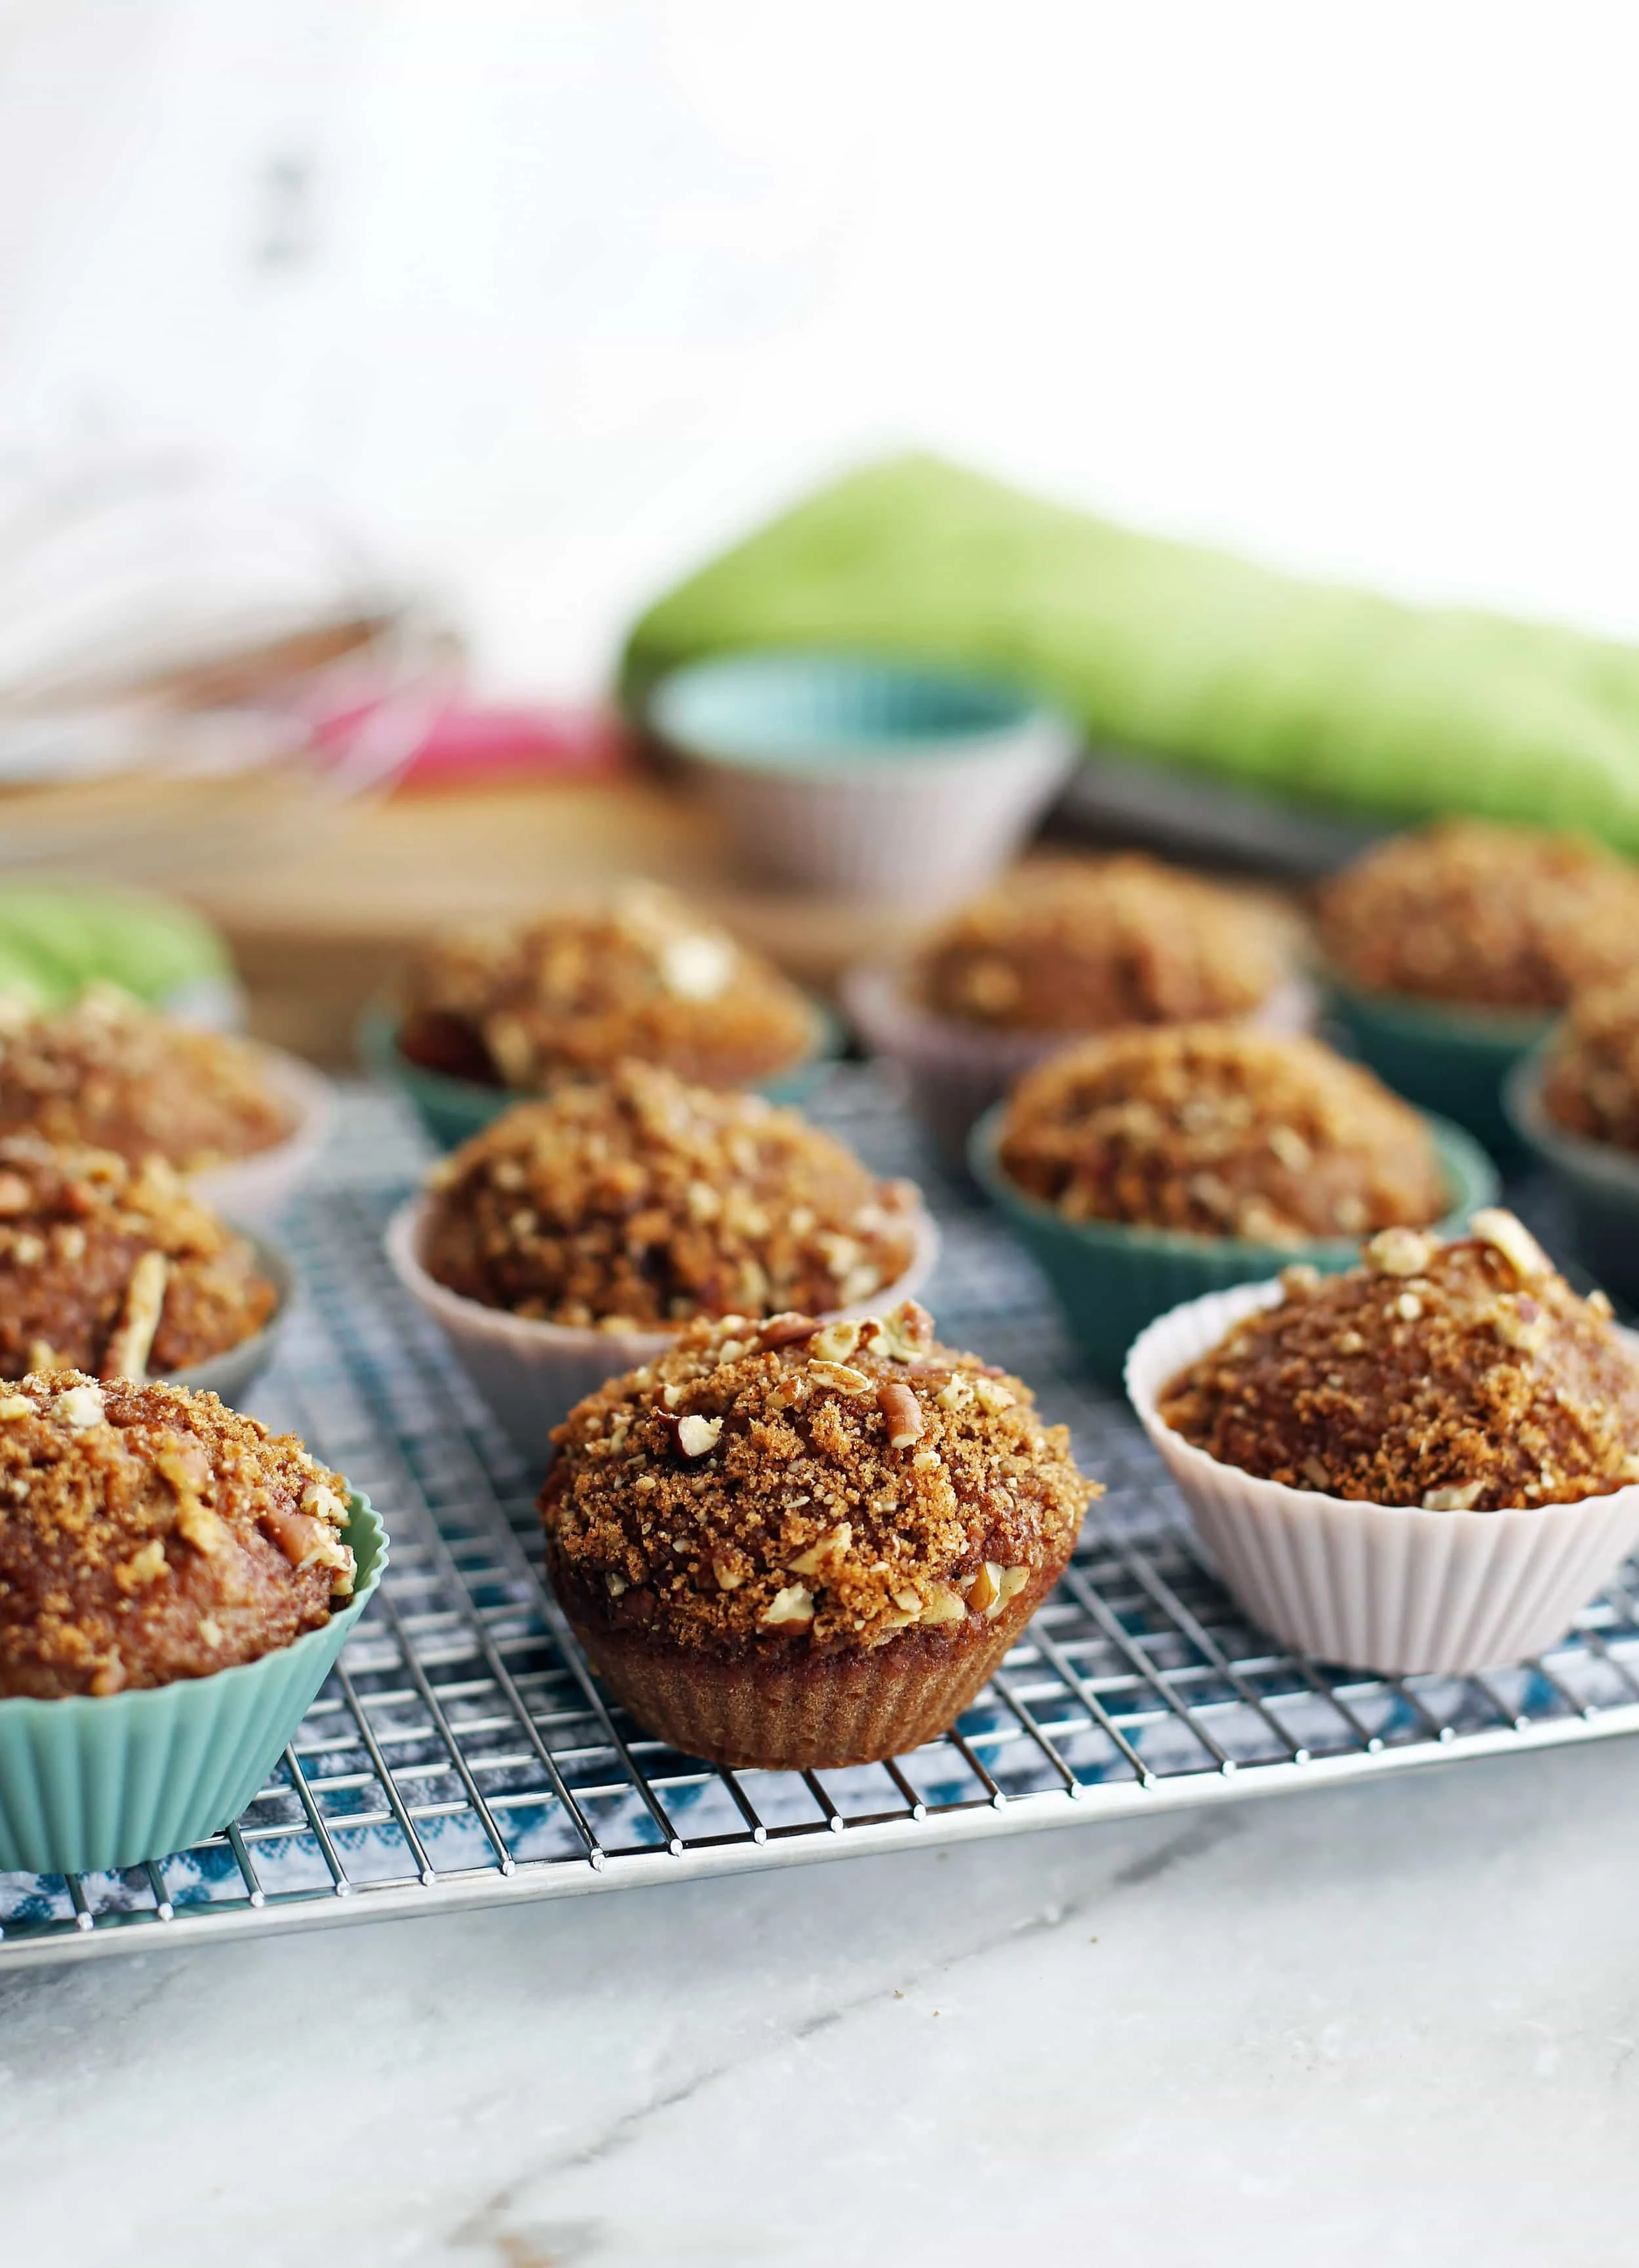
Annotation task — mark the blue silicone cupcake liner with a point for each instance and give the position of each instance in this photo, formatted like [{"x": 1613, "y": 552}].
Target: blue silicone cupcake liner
[
  {"x": 1449, "y": 1060},
  {"x": 453, "y": 1110},
  {"x": 91, "y": 1783},
  {"x": 1112, "y": 1279},
  {"x": 1600, "y": 1182}
]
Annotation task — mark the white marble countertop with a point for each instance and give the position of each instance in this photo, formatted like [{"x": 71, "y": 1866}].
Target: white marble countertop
[{"x": 1393, "y": 2024}]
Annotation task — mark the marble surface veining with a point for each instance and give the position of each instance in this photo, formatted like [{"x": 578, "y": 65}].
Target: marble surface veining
[{"x": 1394, "y": 2024}]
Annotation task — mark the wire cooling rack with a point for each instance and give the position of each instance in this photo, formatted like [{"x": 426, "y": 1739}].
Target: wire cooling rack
[{"x": 461, "y": 1753}]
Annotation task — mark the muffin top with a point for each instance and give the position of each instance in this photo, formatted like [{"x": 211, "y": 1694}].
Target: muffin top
[
  {"x": 637, "y": 1202},
  {"x": 1591, "y": 1080},
  {"x": 1458, "y": 1376},
  {"x": 522, "y": 1004},
  {"x": 148, "y": 1534},
  {"x": 1081, "y": 945},
  {"x": 825, "y": 1484},
  {"x": 1484, "y": 915},
  {"x": 114, "y": 1074},
  {"x": 1220, "y": 1130},
  {"x": 114, "y": 1268}
]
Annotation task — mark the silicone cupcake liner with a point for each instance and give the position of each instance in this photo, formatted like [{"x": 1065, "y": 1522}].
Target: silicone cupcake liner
[
  {"x": 864, "y": 778},
  {"x": 1112, "y": 1279},
  {"x": 231, "y": 1374},
  {"x": 91, "y": 1783},
  {"x": 794, "y": 1711},
  {"x": 531, "y": 1373},
  {"x": 1450, "y": 1060},
  {"x": 1600, "y": 1182},
  {"x": 255, "y": 1189},
  {"x": 1388, "y": 1588},
  {"x": 453, "y": 1110},
  {"x": 956, "y": 1071}
]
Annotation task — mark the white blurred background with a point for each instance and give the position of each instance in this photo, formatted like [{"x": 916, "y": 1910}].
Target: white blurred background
[{"x": 545, "y": 300}]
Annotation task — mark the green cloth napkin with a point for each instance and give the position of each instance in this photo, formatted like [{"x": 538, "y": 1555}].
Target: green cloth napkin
[
  {"x": 1192, "y": 656},
  {"x": 56, "y": 939}
]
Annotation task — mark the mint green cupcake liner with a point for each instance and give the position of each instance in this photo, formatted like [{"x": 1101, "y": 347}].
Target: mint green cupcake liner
[
  {"x": 1600, "y": 1183},
  {"x": 453, "y": 1110},
  {"x": 1112, "y": 1279},
  {"x": 93, "y": 1783},
  {"x": 1450, "y": 1060}
]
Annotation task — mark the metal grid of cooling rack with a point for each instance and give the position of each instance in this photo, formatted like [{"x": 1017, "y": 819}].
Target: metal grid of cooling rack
[{"x": 461, "y": 1754}]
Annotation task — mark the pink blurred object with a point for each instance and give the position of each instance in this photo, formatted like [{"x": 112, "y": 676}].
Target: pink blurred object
[{"x": 469, "y": 745}]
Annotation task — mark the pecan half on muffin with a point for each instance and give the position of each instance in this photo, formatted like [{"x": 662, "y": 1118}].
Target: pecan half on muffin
[
  {"x": 115, "y": 1270},
  {"x": 639, "y": 1203},
  {"x": 1483, "y": 916},
  {"x": 1456, "y": 1377},
  {"x": 148, "y": 1534},
  {"x": 522, "y": 1005},
  {"x": 1590, "y": 1076},
  {"x": 1082, "y": 944},
  {"x": 112, "y": 1074},
  {"x": 1220, "y": 1130},
  {"x": 794, "y": 1544}
]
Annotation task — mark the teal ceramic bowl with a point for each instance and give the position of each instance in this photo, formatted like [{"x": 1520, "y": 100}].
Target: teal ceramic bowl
[
  {"x": 1112, "y": 1279},
  {"x": 453, "y": 1110},
  {"x": 861, "y": 776},
  {"x": 1450, "y": 1060},
  {"x": 91, "y": 1783},
  {"x": 1600, "y": 1182}
]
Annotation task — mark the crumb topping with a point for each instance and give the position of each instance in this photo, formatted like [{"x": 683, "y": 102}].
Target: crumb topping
[
  {"x": 521, "y": 1005},
  {"x": 1487, "y": 915},
  {"x": 114, "y": 1075},
  {"x": 1220, "y": 1130},
  {"x": 639, "y": 1202},
  {"x": 829, "y": 1483},
  {"x": 1082, "y": 944},
  {"x": 1590, "y": 1082},
  {"x": 114, "y": 1268},
  {"x": 1466, "y": 1376},
  {"x": 148, "y": 1534}
]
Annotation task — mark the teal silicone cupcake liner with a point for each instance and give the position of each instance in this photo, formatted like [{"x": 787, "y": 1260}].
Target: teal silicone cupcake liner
[
  {"x": 91, "y": 1783},
  {"x": 453, "y": 1110},
  {"x": 1112, "y": 1279},
  {"x": 1600, "y": 1182},
  {"x": 1449, "y": 1061}
]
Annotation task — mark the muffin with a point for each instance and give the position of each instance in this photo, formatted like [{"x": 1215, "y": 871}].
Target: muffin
[
  {"x": 115, "y": 1270},
  {"x": 148, "y": 1535},
  {"x": 575, "y": 1236},
  {"x": 1218, "y": 1131},
  {"x": 639, "y": 1202},
  {"x": 1067, "y": 945},
  {"x": 1483, "y": 916},
  {"x": 1063, "y": 946},
  {"x": 110, "y": 1074},
  {"x": 1459, "y": 1376},
  {"x": 1591, "y": 1075},
  {"x": 793, "y": 1545},
  {"x": 522, "y": 1005},
  {"x": 1426, "y": 1464}
]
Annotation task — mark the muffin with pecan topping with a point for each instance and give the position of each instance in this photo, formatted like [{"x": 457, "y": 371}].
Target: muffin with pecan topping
[
  {"x": 1449, "y": 951},
  {"x": 112, "y": 1075},
  {"x": 115, "y": 1270},
  {"x": 1142, "y": 1167},
  {"x": 516, "y": 1008},
  {"x": 1063, "y": 947},
  {"x": 148, "y": 1535},
  {"x": 1428, "y": 1464},
  {"x": 1455, "y": 1376},
  {"x": 1217, "y": 1132},
  {"x": 794, "y": 1545},
  {"x": 1590, "y": 1077},
  {"x": 576, "y": 1236}
]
